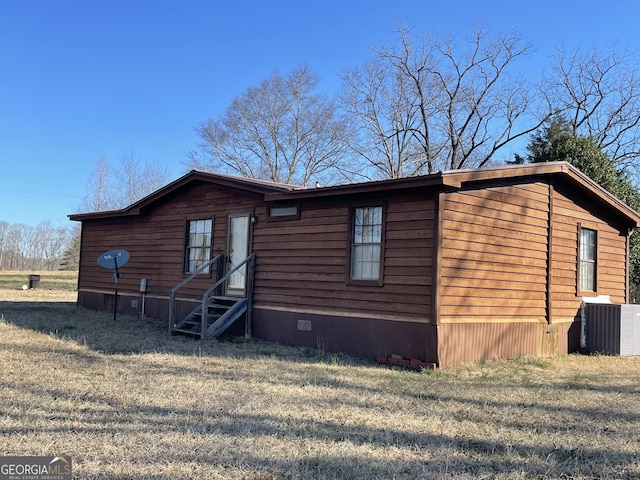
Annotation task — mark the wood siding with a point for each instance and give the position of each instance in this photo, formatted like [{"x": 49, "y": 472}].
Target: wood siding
[
  {"x": 475, "y": 265},
  {"x": 493, "y": 265},
  {"x": 570, "y": 210},
  {"x": 156, "y": 241},
  {"x": 497, "y": 244},
  {"x": 302, "y": 263}
]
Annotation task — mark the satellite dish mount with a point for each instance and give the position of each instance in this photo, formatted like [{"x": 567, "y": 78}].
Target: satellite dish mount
[{"x": 113, "y": 260}]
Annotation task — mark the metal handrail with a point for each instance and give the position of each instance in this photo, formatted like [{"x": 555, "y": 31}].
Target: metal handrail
[
  {"x": 172, "y": 295},
  {"x": 205, "y": 295}
]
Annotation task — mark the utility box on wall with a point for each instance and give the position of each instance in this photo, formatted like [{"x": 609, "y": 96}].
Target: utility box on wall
[{"x": 613, "y": 329}]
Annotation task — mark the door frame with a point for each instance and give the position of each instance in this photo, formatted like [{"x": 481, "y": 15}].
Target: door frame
[{"x": 231, "y": 290}]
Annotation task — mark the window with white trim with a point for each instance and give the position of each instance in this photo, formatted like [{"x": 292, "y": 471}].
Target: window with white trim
[
  {"x": 198, "y": 244},
  {"x": 587, "y": 265},
  {"x": 366, "y": 244}
]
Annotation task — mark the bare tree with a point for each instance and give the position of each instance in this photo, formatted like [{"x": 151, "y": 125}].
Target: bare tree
[
  {"x": 110, "y": 188},
  {"x": 599, "y": 94},
  {"x": 431, "y": 105},
  {"x": 21, "y": 242},
  {"x": 135, "y": 179},
  {"x": 99, "y": 195},
  {"x": 280, "y": 131},
  {"x": 25, "y": 247},
  {"x": 393, "y": 109},
  {"x": 11, "y": 248},
  {"x": 4, "y": 233},
  {"x": 39, "y": 238},
  {"x": 49, "y": 243}
]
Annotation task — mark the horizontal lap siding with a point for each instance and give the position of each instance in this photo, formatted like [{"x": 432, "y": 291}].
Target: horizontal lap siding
[
  {"x": 493, "y": 266},
  {"x": 156, "y": 241},
  {"x": 302, "y": 263},
  {"x": 570, "y": 210}
]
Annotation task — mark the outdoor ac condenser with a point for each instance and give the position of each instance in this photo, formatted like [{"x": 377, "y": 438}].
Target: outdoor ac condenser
[{"x": 613, "y": 329}]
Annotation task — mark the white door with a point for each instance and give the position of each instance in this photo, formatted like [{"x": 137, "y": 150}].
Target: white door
[{"x": 238, "y": 251}]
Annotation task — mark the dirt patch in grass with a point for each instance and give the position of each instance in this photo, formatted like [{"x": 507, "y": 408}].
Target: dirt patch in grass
[{"x": 126, "y": 400}]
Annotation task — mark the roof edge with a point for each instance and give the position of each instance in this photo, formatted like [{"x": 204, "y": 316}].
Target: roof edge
[
  {"x": 451, "y": 178},
  {"x": 356, "y": 188},
  {"x": 458, "y": 177},
  {"x": 262, "y": 187}
]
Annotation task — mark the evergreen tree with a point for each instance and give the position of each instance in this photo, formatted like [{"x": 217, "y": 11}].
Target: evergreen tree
[
  {"x": 556, "y": 142},
  {"x": 71, "y": 256}
]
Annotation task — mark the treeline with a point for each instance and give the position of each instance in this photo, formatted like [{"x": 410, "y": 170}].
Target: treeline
[
  {"x": 424, "y": 104},
  {"x": 44, "y": 247}
]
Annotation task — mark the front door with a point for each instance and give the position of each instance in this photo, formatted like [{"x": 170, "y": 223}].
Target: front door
[{"x": 238, "y": 251}]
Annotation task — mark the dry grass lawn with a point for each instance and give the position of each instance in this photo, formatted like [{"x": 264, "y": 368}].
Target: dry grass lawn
[{"x": 128, "y": 401}]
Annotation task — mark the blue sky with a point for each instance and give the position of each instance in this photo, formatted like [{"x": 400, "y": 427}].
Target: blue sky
[{"x": 83, "y": 79}]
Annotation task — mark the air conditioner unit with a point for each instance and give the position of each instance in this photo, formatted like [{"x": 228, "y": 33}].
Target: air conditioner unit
[{"x": 612, "y": 329}]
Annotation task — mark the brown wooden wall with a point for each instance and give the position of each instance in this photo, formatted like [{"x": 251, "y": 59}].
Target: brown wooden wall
[
  {"x": 486, "y": 278},
  {"x": 496, "y": 245},
  {"x": 569, "y": 210},
  {"x": 493, "y": 265},
  {"x": 156, "y": 240},
  {"x": 302, "y": 263}
]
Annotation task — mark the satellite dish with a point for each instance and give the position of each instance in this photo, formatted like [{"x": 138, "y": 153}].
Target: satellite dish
[{"x": 113, "y": 259}]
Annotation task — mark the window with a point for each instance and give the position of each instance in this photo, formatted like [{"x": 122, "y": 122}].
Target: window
[
  {"x": 587, "y": 265},
  {"x": 366, "y": 246},
  {"x": 198, "y": 249},
  {"x": 279, "y": 211},
  {"x": 288, "y": 211}
]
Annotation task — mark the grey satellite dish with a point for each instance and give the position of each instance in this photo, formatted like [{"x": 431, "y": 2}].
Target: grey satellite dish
[{"x": 113, "y": 260}]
